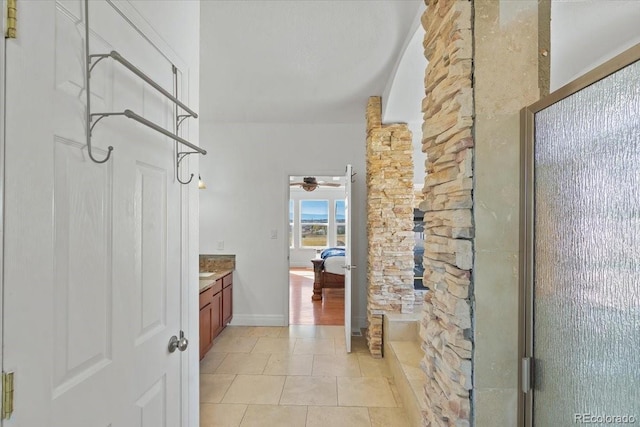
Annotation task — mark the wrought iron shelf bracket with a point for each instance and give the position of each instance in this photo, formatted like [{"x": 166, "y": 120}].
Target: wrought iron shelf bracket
[
  {"x": 135, "y": 70},
  {"x": 179, "y": 157},
  {"x": 138, "y": 118},
  {"x": 92, "y": 119}
]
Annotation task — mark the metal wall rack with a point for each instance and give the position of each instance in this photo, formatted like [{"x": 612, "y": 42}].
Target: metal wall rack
[{"x": 92, "y": 119}]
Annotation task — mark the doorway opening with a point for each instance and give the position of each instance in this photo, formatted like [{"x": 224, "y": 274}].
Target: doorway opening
[{"x": 316, "y": 230}]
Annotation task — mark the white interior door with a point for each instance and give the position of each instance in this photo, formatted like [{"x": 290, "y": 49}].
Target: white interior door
[
  {"x": 347, "y": 258},
  {"x": 92, "y": 285}
]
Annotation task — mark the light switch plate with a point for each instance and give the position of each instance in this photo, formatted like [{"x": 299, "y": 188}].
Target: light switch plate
[{"x": 220, "y": 245}]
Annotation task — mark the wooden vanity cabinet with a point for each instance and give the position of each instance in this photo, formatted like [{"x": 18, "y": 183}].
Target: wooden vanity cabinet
[
  {"x": 206, "y": 339},
  {"x": 210, "y": 316},
  {"x": 216, "y": 311},
  {"x": 227, "y": 299},
  {"x": 216, "y": 314}
]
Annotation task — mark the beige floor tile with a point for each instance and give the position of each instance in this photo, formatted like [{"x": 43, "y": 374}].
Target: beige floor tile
[
  {"x": 388, "y": 417},
  {"x": 340, "y": 345},
  {"x": 365, "y": 391},
  {"x": 274, "y": 345},
  {"x": 289, "y": 364},
  {"x": 337, "y": 417},
  {"x": 243, "y": 363},
  {"x": 211, "y": 361},
  {"x": 234, "y": 344},
  {"x": 370, "y": 367},
  {"x": 213, "y": 387},
  {"x": 326, "y": 331},
  {"x": 359, "y": 345},
  {"x": 299, "y": 331},
  {"x": 319, "y": 391},
  {"x": 264, "y": 331},
  {"x": 221, "y": 415},
  {"x": 255, "y": 389},
  {"x": 314, "y": 346},
  {"x": 235, "y": 331},
  {"x": 274, "y": 415},
  {"x": 396, "y": 394},
  {"x": 337, "y": 365}
]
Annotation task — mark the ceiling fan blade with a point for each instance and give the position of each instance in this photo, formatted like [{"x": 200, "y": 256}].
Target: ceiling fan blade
[{"x": 330, "y": 184}]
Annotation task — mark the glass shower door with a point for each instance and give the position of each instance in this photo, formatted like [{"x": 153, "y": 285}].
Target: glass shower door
[{"x": 586, "y": 252}]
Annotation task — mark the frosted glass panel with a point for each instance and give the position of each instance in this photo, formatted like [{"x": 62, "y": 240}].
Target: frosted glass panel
[{"x": 587, "y": 255}]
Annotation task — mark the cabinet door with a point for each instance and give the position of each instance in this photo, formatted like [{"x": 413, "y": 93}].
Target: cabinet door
[
  {"x": 205, "y": 330},
  {"x": 227, "y": 305},
  {"x": 216, "y": 315}
]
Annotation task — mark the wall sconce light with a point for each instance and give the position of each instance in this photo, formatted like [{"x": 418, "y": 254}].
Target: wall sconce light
[{"x": 201, "y": 184}]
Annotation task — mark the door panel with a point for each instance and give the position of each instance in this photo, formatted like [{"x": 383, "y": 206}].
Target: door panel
[
  {"x": 347, "y": 257},
  {"x": 150, "y": 213},
  {"x": 151, "y": 405},
  {"x": 82, "y": 267},
  {"x": 93, "y": 289}
]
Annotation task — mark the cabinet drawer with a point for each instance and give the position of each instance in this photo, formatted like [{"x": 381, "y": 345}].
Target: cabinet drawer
[
  {"x": 205, "y": 297},
  {"x": 227, "y": 280}
]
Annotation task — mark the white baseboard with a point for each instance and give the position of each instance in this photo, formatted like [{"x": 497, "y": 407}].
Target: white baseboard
[
  {"x": 360, "y": 321},
  {"x": 258, "y": 320}
]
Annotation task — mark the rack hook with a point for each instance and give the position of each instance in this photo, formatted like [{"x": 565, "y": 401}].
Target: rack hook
[
  {"x": 187, "y": 182},
  {"x": 109, "y": 150},
  {"x": 180, "y": 156}
]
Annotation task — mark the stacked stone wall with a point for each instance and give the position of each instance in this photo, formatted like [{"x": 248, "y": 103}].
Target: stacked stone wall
[
  {"x": 389, "y": 221},
  {"x": 449, "y": 231}
]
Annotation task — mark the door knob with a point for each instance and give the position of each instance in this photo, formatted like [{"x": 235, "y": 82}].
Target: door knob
[{"x": 178, "y": 343}]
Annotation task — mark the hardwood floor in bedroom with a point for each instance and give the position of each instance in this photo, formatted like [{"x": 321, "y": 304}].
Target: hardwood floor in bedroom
[{"x": 304, "y": 311}]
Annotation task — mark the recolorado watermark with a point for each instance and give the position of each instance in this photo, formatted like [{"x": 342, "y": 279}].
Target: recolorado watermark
[{"x": 587, "y": 418}]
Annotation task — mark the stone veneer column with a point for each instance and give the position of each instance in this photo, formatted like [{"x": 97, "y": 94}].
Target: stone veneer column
[
  {"x": 511, "y": 71},
  {"x": 448, "y": 261},
  {"x": 389, "y": 221},
  {"x": 478, "y": 230}
]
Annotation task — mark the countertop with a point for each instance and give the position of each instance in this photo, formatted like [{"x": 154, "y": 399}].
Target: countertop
[{"x": 207, "y": 279}]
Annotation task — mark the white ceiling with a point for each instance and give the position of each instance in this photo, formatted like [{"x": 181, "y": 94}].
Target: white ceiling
[
  {"x": 317, "y": 61},
  {"x": 314, "y": 61}
]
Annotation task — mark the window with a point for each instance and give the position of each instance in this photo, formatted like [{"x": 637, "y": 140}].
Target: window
[
  {"x": 290, "y": 223},
  {"x": 340, "y": 223},
  {"x": 314, "y": 223}
]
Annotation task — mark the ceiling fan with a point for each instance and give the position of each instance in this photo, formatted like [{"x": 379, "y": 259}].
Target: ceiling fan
[{"x": 310, "y": 183}]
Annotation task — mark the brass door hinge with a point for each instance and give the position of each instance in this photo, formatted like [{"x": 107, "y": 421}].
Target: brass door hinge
[
  {"x": 7, "y": 395},
  {"x": 12, "y": 19}
]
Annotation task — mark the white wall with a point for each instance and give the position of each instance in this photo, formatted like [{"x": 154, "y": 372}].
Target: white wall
[
  {"x": 584, "y": 34},
  {"x": 247, "y": 174},
  {"x": 402, "y": 99}
]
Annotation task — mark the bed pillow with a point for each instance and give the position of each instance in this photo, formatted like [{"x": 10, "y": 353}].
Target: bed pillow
[{"x": 329, "y": 252}]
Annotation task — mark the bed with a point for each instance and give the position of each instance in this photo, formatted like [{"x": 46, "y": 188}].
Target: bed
[{"x": 328, "y": 271}]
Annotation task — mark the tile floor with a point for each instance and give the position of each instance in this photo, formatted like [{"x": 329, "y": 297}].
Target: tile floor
[{"x": 295, "y": 376}]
